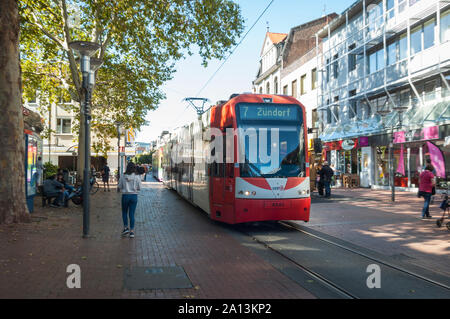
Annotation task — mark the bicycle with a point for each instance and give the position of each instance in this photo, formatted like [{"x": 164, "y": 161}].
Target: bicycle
[{"x": 94, "y": 186}]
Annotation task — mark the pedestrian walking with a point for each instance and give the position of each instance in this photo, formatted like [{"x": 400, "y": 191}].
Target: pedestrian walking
[
  {"x": 105, "y": 176},
  {"x": 326, "y": 175},
  {"x": 39, "y": 171},
  {"x": 129, "y": 185},
  {"x": 426, "y": 189}
]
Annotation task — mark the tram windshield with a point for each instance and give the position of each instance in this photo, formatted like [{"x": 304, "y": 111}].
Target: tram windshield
[{"x": 271, "y": 138}]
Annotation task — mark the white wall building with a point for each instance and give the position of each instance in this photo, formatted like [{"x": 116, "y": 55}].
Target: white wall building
[{"x": 268, "y": 78}]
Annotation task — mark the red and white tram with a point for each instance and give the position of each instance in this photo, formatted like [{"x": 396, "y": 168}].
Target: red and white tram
[{"x": 243, "y": 188}]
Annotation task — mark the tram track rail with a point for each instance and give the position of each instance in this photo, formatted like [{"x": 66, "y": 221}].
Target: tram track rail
[
  {"x": 378, "y": 261},
  {"x": 337, "y": 287}
]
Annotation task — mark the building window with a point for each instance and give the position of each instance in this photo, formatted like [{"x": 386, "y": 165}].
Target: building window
[
  {"x": 401, "y": 5},
  {"x": 390, "y": 8},
  {"x": 314, "y": 79},
  {"x": 294, "y": 88},
  {"x": 416, "y": 40},
  {"x": 376, "y": 61},
  {"x": 328, "y": 71},
  {"x": 303, "y": 84},
  {"x": 63, "y": 126},
  {"x": 335, "y": 66},
  {"x": 260, "y": 90},
  {"x": 275, "y": 85},
  {"x": 268, "y": 88},
  {"x": 428, "y": 33},
  {"x": 403, "y": 47},
  {"x": 285, "y": 90},
  {"x": 336, "y": 108},
  {"x": 352, "y": 112},
  {"x": 351, "y": 58},
  {"x": 445, "y": 26},
  {"x": 392, "y": 53}
]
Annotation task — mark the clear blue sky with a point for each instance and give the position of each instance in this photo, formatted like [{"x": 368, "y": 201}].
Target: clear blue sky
[{"x": 239, "y": 71}]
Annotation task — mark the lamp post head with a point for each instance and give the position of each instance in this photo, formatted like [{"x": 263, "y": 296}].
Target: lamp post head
[{"x": 84, "y": 47}]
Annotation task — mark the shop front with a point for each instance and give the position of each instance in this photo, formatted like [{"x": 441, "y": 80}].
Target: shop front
[
  {"x": 412, "y": 150},
  {"x": 351, "y": 161}
]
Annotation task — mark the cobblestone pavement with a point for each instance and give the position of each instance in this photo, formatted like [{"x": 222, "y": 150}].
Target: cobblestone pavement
[
  {"x": 368, "y": 218},
  {"x": 169, "y": 232}
]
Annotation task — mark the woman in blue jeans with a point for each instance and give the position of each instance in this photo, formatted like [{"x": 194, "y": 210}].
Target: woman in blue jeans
[{"x": 129, "y": 185}]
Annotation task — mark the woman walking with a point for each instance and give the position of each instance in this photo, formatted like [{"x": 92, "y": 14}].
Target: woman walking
[
  {"x": 129, "y": 185},
  {"x": 426, "y": 184}
]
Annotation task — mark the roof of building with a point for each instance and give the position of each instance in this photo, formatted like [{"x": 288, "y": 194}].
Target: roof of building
[
  {"x": 277, "y": 37},
  {"x": 302, "y": 39}
]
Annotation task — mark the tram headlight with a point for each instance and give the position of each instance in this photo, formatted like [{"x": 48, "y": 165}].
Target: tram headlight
[
  {"x": 247, "y": 193},
  {"x": 303, "y": 192}
]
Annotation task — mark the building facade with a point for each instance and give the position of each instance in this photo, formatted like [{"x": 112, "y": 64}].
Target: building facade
[
  {"x": 384, "y": 98},
  {"x": 61, "y": 147},
  {"x": 299, "y": 66},
  {"x": 268, "y": 79}
]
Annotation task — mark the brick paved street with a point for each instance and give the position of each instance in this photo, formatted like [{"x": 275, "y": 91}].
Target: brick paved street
[{"x": 169, "y": 232}]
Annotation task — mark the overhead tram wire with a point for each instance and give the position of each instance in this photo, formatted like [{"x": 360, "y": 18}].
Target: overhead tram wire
[{"x": 214, "y": 74}]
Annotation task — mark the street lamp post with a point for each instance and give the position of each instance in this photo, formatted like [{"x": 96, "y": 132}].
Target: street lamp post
[
  {"x": 88, "y": 67},
  {"x": 118, "y": 125},
  {"x": 383, "y": 112}
]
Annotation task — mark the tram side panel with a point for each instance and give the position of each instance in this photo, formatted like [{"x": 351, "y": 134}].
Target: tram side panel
[{"x": 200, "y": 185}]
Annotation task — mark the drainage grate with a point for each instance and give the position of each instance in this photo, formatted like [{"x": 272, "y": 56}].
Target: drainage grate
[{"x": 142, "y": 278}]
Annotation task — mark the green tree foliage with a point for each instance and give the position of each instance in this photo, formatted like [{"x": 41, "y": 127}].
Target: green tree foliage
[
  {"x": 50, "y": 170},
  {"x": 140, "y": 42},
  {"x": 144, "y": 158}
]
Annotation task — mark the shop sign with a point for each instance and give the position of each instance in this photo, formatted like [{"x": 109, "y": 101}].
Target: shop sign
[
  {"x": 333, "y": 146},
  {"x": 364, "y": 141},
  {"x": 425, "y": 134},
  {"x": 348, "y": 145}
]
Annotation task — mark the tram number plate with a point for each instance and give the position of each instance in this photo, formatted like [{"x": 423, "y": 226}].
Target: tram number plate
[{"x": 276, "y": 204}]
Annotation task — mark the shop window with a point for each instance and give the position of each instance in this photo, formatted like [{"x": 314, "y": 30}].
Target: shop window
[{"x": 382, "y": 166}]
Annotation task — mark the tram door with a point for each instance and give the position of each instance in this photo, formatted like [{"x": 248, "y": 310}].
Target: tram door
[{"x": 217, "y": 183}]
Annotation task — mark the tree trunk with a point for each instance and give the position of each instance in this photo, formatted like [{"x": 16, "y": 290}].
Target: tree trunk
[{"x": 13, "y": 206}]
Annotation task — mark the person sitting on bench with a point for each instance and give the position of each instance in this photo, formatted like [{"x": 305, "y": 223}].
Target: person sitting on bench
[{"x": 53, "y": 188}]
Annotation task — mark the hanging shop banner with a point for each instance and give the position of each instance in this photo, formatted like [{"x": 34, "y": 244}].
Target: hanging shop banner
[
  {"x": 363, "y": 141},
  {"x": 437, "y": 159},
  {"x": 129, "y": 137},
  {"x": 424, "y": 134},
  {"x": 401, "y": 162}
]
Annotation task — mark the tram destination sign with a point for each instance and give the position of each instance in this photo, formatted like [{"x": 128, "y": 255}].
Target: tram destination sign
[{"x": 260, "y": 112}]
